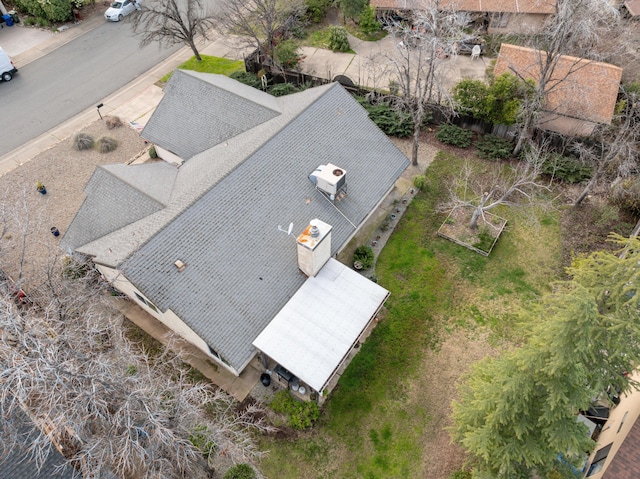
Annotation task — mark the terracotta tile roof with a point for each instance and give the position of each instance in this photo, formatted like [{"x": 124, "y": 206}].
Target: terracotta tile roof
[
  {"x": 624, "y": 464},
  {"x": 580, "y": 88},
  {"x": 511, "y": 6}
]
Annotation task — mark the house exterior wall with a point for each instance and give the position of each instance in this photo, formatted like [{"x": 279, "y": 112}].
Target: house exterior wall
[
  {"x": 615, "y": 431},
  {"x": 117, "y": 279},
  {"x": 167, "y": 156}
]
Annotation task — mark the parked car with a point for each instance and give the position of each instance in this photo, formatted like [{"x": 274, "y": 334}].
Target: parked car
[
  {"x": 466, "y": 46},
  {"x": 7, "y": 68},
  {"x": 120, "y": 9}
]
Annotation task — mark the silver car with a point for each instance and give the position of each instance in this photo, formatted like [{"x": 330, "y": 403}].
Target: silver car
[{"x": 120, "y": 9}]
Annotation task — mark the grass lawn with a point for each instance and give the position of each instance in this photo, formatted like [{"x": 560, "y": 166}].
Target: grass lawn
[
  {"x": 319, "y": 39},
  {"x": 377, "y": 423},
  {"x": 209, "y": 64}
]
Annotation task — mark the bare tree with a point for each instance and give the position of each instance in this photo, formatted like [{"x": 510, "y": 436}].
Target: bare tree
[
  {"x": 574, "y": 30},
  {"x": 420, "y": 58},
  {"x": 614, "y": 150},
  {"x": 110, "y": 408},
  {"x": 259, "y": 23},
  {"x": 173, "y": 22},
  {"x": 469, "y": 191}
]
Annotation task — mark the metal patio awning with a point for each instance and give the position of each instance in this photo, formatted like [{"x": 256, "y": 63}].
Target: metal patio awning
[{"x": 320, "y": 324}]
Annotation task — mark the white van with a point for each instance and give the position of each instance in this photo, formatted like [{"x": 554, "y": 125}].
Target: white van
[{"x": 7, "y": 68}]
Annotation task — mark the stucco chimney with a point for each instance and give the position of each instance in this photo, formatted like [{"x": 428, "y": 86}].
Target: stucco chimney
[{"x": 314, "y": 247}]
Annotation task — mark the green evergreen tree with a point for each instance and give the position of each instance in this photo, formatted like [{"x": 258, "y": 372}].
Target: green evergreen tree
[{"x": 517, "y": 412}]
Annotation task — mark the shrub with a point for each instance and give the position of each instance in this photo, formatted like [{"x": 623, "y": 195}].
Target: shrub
[
  {"x": 286, "y": 53},
  {"x": 112, "y": 122},
  {"x": 492, "y": 147},
  {"x": 247, "y": 78},
  {"x": 82, "y": 141},
  {"x": 338, "y": 39},
  {"x": 566, "y": 168},
  {"x": 106, "y": 144},
  {"x": 152, "y": 152},
  {"x": 46, "y": 11},
  {"x": 240, "y": 471},
  {"x": 56, "y": 10},
  {"x": 364, "y": 255},
  {"x": 317, "y": 9},
  {"x": 282, "y": 89},
  {"x": 390, "y": 121},
  {"x": 625, "y": 194},
  {"x": 368, "y": 23},
  {"x": 301, "y": 414},
  {"x": 454, "y": 135},
  {"x": 419, "y": 181}
]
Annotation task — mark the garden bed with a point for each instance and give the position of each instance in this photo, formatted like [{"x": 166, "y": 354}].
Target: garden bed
[{"x": 481, "y": 239}]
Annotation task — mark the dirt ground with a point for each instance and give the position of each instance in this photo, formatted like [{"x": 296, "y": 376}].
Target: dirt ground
[{"x": 28, "y": 248}]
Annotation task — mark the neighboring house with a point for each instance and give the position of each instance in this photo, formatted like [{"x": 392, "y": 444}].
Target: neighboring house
[
  {"x": 499, "y": 16},
  {"x": 202, "y": 242},
  {"x": 580, "y": 94},
  {"x": 17, "y": 463},
  {"x": 616, "y": 454}
]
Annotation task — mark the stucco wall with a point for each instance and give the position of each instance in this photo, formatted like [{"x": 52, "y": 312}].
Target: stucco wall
[
  {"x": 615, "y": 430},
  {"x": 168, "y": 318},
  {"x": 167, "y": 156}
]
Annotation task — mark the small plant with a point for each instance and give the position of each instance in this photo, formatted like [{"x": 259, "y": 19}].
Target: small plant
[
  {"x": 200, "y": 440},
  {"x": 301, "y": 414},
  {"x": 338, "y": 39},
  {"x": 491, "y": 147},
  {"x": 240, "y": 471},
  {"x": 364, "y": 255},
  {"x": 394, "y": 87},
  {"x": 282, "y": 89},
  {"x": 461, "y": 474},
  {"x": 106, "y": 144},
  {"x": 566, "y": 168},
  {"x": 247, "y": 78},
  {"x": 131, "y": 370},
  {"x": 454, "y": 135},
  {"x": 419, "y": 181},
  {"x": 152, "y": 152},
  {"x": 83, "y": 141},
  {"x": 485, "y": 240},
  {"x": 112, "y": 122}
]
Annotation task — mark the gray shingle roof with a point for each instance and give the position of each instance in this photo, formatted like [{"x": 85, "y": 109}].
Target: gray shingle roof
[
  {"x": 112, "y": 192},
  {"x": 188, "y": 121},
  {"x": 18, "y": 464},
  {"x": 227, "y": 203}
]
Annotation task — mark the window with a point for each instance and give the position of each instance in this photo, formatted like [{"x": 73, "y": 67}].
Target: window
[
  {"x": 599, "y": 460},
  {"x": 214, "y": 353},
  {"x": 146, "y": 302}
]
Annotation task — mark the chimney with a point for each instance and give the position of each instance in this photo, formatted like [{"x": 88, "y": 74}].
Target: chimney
[{"x": 314, "y": 247}]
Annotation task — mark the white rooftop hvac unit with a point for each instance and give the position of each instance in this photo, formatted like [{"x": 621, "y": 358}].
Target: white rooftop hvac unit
[{"x": 329, "y": 178}]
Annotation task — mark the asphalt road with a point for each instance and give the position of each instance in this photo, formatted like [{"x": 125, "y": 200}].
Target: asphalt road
[{"x": 68, "y": 80}]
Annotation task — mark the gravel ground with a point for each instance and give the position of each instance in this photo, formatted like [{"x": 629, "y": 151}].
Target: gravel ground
[{"x": 28, "y": 247}]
